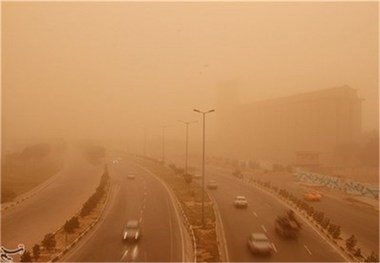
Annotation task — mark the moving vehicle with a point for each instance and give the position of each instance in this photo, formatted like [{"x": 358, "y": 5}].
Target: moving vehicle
[
  {"x": 131, "y": 231},
  {"x": 240, "y": 202},
  {"x": 259, "y": 243},
  {"x": 288, "y": 226},
  {"x": 212, "y": 184},
  {"x": 312, "y": 196},
  {"x": 131, "y": 176}
]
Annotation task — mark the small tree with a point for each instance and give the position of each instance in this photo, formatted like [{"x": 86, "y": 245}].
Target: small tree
[
  {"x": 26, "y": 257},
  {"x": 325, "y": 223},
  {"x": 358, "y": 253},
  {"x": 336, "y": 233},
  {"x": 332, "y": 228},
  {"x": 49, "y": 241},
  {"x": 188, "y": 178},
  {"x": 351, "y": 242},
  {"x": 372, "y": 258},
  {"x": 36, "y": 252}
]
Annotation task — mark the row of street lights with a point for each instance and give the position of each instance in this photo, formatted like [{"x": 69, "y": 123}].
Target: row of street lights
[{"x": 187, "y": 123}]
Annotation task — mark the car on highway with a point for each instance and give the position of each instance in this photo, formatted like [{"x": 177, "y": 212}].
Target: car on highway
[
  {"x": 197, "y": 176},
  {"x": 131, "y": 231},
  {"x": 259, "y": 243},
  {"x": 240, "y": 202},
  {"x": 312, "y": 196},
  {"x": 212, "y": 184},
  {"x": 131, "y": 176}
]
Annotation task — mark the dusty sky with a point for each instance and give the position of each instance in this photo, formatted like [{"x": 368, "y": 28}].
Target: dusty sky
[{"x": 105, "y": 70}]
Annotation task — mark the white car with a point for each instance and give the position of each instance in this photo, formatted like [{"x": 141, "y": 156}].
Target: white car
[
  {"x": 240, "y": 201},
  {"x": 131, "y": 231},
  {"x": 259, "y": 243}
]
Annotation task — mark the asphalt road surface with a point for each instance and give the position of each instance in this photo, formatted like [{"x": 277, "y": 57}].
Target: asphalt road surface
[
  {"x": 45, "y": 212},
  {"x": 259, "y": 217},
  {"x": 354, "y": 218},
  {"x": 144, "y": 199}
]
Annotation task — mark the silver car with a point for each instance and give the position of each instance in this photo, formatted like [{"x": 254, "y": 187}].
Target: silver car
[
  {"x": 132, "y": 231},
  {"x": 240, "y": 201},
  {"x": 259, "y": 243}
]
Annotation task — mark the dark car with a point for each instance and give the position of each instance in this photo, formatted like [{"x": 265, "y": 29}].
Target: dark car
[{"x": 131, "y": 231}]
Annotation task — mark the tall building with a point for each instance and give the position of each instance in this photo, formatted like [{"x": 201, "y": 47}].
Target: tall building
[{"x": 283, "y": 129}]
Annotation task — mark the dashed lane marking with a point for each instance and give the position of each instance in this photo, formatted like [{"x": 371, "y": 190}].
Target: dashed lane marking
[
  {"x": 125, "y": 254},
  {"x": 254, "y": 213},
  {"x": 274, "y": 247},
  {"x": 263, "y": 227},
  {"x": 307, "y": 249}
]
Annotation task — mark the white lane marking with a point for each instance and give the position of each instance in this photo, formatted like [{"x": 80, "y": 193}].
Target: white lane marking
[
  {"x": 307, "y": 249},
  {"x": 274, "y": 247},
  {"x": 268, "y": 205},
  {"x": 170, "y": 229},
  {"x": 263, "y": 227},
  {"x": 124, "y": 255},
  {"x": 254, "y": 213},
  {"x": 135, "y": 252},
  {"x": 174, "y": 205}
]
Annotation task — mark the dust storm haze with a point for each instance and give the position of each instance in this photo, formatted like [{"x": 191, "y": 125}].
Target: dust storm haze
[
  {"x": 94, "y": 97},
  {"x": 106, "y": 70}
]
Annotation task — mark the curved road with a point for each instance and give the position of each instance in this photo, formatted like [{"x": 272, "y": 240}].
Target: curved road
[
  {"x": 144, "y": 199},
  {"x": 47, "y": 210}
]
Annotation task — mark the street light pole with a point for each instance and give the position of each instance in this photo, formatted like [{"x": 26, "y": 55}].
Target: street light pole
[
  {"x": 144, "y": 149},
  {"x": 163, "y": 143},
  {"x": 187, "y": 123},
  {"x": 203, "y": 161}
]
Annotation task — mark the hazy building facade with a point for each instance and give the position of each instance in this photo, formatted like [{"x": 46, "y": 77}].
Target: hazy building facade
[{"x": 281, "y": 129}]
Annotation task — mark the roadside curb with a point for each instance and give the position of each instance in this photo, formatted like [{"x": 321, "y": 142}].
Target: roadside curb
[
  {"x": 29, "y": 194},
  {"x": 58, "y": 256},
  {"x": 190, "y": 254},
  {"x": 302, "y": 215},
  {"x": 220, "y": 235}
]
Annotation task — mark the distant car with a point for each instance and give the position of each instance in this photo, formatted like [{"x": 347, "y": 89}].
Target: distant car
[
  {"x": 259, "y": 243},
  {"x": 212, "y": 184},
  {"x": 240, "y": 201},
  {"x": 131, "y": 176},
  {"x": 197, "y": 176},
  {"x": 131, "y": 231},
  {"x": 312, "y": 196}
]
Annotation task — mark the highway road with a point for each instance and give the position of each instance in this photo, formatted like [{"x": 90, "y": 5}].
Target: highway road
[
  {"x": 47, "y": 210},
  {"x": 145, "y": 199},
  {"x": 259, "y": 217},
  {"x": 360, "y": 220}
]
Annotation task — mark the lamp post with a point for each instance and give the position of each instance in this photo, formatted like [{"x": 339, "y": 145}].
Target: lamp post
[
  {"x": 187, "y": 123},
  {"x": 203, "y": 162},
  {"x": 163, "y": 143},
  {"x": 144, "y": 148}
]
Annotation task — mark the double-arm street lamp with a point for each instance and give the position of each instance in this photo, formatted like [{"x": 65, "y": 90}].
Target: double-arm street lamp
[
  {"x": 203, "y": 162},
  {"x": 187, "y": 123}
]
